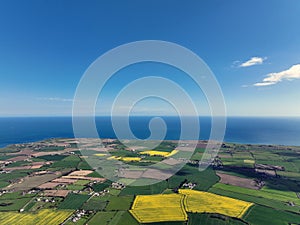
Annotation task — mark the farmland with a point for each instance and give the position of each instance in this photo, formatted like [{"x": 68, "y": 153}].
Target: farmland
[
  {"x": 244, "y": 184},
  {"x": 43, "y": 217},
  {"x": 159, "y": 208},
  {"x": 73, "y": 201},
  {"x": 204, "y": 202}
]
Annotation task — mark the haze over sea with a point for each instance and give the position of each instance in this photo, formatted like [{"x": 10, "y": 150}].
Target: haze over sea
[{"x": 252, "y": 130}]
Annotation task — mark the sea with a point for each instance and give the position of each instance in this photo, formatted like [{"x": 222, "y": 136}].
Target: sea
[{"x": 250, "y": 130}]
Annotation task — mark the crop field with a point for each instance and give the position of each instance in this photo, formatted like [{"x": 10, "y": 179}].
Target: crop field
[
  {"x": 119, "y": 203},
  {"x": 101, "y": 218},
  {"x": 82, "y": 182},
  {"x": 13, "y": 204},
  {"x": 159, "y": 153},
  {"x": 157, "y": 188},
  {"x": 131, "y": 159},
  {"x": 74, "y": 187},
  {"x": 126, "y": 219},
  {"x": 192, "y": 174},
  {"x": 73, "y": 201},
  {"x": 237, "y": 181},
  {"x": 264, "y": 215},
  {"x": 94, "y": 204},
  {"x": 43, "y": 217},
  {"x": 212, "y": 219},
  {"x": 101, "y": 186},
  {"x": 68, "y": 162},
  {"x": 158, "y": 208},
  {"x": 284, "y": 196},
  {"x": 100, "y": 154},
  {"x": 204, "y": 202}
]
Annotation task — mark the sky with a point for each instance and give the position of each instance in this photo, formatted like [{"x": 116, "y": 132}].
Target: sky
[{"x": 252, "y": 48}]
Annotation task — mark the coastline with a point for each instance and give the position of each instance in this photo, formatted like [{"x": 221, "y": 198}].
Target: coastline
[{"x": 244, "y": 130}]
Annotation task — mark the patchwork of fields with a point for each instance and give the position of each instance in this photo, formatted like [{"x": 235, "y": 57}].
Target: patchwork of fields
[{"x": 50, "y": 182}]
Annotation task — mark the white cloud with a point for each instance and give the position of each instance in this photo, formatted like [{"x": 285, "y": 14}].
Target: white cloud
[
  {"x": 253, "y": 61},
  {"x": 259, "y": 84},
  {"x": 56, "y": 99},
  {"x": 273, "y": 78}
]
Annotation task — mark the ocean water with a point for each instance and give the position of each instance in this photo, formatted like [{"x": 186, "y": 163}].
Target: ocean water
[{"x": 252, "y": 130}]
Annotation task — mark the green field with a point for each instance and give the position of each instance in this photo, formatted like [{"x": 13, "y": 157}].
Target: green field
[
  {"x": 94, "y": 204},
  {"x": 119, "y": 203},
  {"x": 73, "y": 201},
  {"x": 192, "y": 174},
  {"x": 101, "y": 186},
  {"x": 13, "y": 204},
  {"x": 212, "y": 219},
  {"x": 101, "y": 218},
  {"x": 69, "y": 162},
  {"x": 259, "y": 215},
  {"x": 75, "y": 187},
  {"x": 145, "y": 190},
  {"x": 278, "y": 195}
]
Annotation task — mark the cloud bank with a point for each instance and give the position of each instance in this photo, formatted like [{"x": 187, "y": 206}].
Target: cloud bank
[
  {"x": 273, "y": 78},
  {"x": 253, "y": 61}
]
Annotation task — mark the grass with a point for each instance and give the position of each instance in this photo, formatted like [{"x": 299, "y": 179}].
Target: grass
[
  {"x": 212, "y": 219},
  {"x": 13, "y": 204},
  {"x": 258, "y": 200},
  {"x": 260, "y": 215},
  {"x": 75, "y": 187},
  {"x": 52, "y": 157},
  {"x": 94, "y": 174},
  {"x": 73, "y": 201},
  {"x": 126, "y": 219},
  {"x": 82, "y": 182},
  {"x": 114, "y": 192},
  {"x": 101, "y": 186},
  {"x": 83, "y": 165},
  {"x": 283, "y": 196},
  {"x": 119, "y": 203},
  {"x": 94, "y": 204},
  {"x": 69, "y": 162},
  {"x": 3, "y": 184},
  {"x": 145, "y": 190},
  {"x": 18, "y": 163},
  {"x": 15, "y": 195},
  {"x": 101, "y": 218},
  {"x": 192, "y": 174},
  {"x": 81, "y": 221},
  {"x": 117, "y": 218}
]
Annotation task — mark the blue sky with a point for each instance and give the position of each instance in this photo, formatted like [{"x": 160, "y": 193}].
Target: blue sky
[{"x": 252, "y": 47}]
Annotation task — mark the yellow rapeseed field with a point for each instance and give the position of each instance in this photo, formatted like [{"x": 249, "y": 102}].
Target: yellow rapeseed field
[
  {"x": 43, "y": 217},
  {"x": 130, "y": 159},
  {"x": 114, "y": 158},
  {"x": 159, "y": 153},
  {"x": 100, "y": 154},
  {"x": 126, "y": 159},
  {"x": 250, "y": 161},
  {"x": 158, "y": 208},
  {"x": 200, "y": 202}
]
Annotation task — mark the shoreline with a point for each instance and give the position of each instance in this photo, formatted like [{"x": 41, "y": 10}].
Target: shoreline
[{"x": 170, "y": 140}]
